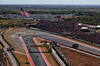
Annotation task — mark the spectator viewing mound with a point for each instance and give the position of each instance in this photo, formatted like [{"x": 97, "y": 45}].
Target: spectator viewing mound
[{"x": 69, "y": 29}]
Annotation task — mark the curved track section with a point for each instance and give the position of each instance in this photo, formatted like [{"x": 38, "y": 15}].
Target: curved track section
[
  {"x": 66, "y": 42},
  {"x": 38, "y": 60}
]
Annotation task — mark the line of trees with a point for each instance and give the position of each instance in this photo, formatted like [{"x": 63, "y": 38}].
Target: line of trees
[
  {"x": 38, "y": 12},
  {"x": 93, "y": 18}
]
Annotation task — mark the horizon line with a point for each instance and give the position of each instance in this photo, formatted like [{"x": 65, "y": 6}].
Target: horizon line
[{"x": 54, "y": 4}]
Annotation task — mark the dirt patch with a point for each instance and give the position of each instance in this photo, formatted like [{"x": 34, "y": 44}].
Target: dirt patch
[
  {"x": 23, "y": 60},
  {"x": 3, "y": 20},
  {"x": 79, "y": 59}
]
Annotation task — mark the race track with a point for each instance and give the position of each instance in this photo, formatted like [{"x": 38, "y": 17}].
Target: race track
[
  {"x": 34, "y": 52},
  {"x": 67, "y": 42}
]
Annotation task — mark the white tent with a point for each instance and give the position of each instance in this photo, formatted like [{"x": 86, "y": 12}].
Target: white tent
[{"x": 84, "y": 28}]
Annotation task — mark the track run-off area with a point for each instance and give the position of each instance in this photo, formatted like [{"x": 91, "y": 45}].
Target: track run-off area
[{"x": 35, "y": 55}]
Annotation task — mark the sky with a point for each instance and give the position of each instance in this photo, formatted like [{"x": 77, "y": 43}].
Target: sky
[{"x": 62, "y": 2}]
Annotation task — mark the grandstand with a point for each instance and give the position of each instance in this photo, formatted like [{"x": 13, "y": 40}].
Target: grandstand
[{"x": 69, "y": 29}]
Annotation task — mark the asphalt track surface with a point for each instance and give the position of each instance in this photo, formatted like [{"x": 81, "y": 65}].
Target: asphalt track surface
[
  {"x": 67, "y": 42},
  {"x": 34, "y": 52}
]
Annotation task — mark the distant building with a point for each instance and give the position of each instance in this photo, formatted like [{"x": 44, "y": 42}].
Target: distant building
[{"x": 68, "y": 16}]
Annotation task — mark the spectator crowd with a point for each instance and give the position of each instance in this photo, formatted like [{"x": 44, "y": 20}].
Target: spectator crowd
[{"x": 69, "y": 29}]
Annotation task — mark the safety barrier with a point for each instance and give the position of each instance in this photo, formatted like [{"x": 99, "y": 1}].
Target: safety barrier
[{"x": 60, "y": 54}]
